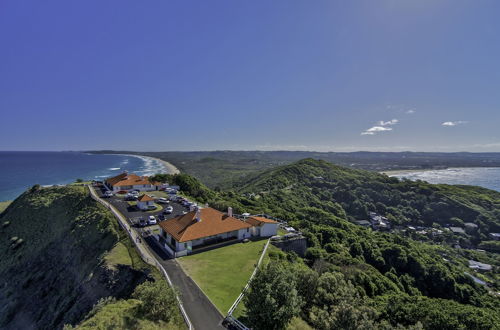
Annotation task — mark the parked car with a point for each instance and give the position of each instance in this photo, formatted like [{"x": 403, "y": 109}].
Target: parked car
[
  {"x": 129, "y": 197},
  {"x": 162, "y": 200},
  {"x": 161, "y": 217},
  {"x": 143, "y": 222},
  {"x": 168, "y": 210},
  {"x": 134, "y": 192},
  {"x": 108, "y": 194},
  {"x": 152, "y": 220}
]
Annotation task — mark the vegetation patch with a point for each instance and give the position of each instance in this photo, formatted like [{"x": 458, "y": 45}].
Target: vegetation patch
[
  {"x": 119, "y": 255},
  {"x": 4, "y": 205}
]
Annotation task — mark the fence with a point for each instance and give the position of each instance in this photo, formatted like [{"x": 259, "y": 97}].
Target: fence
[
  {"x": 148, "y": 259},
  {"x": 242, "y": 294}
]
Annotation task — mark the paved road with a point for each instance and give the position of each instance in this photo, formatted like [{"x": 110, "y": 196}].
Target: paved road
[{"x": 202, "y": 313}]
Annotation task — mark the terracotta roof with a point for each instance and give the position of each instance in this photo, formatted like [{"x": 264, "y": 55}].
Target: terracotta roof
[
  {"x": 258, "y": 221},
  {"x": 126, "y": 179},
  {"x": 145, "y": 198},
  {"x": 185, "y": 227}
]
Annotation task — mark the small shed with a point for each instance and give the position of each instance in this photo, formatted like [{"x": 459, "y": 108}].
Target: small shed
[{"x": 145, "y": 202}]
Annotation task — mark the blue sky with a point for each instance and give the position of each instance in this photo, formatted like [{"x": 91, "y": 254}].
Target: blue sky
[{"x": 270, "y": 75}]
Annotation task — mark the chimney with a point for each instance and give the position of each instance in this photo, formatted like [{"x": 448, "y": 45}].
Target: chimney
[
  {"x": 198, "y": 215},
  {"x": 206, "y": 205},
  {"x": 230, "y": 211}
]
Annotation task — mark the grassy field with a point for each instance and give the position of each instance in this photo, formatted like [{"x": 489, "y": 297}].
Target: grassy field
[
  {"x": 119, "y": 255},
  {"x": 4, "y": 205},
  {"x": 222, "y": 273}
]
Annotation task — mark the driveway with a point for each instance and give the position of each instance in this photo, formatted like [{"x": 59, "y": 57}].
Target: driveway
[{"x": 202, "y": 313}]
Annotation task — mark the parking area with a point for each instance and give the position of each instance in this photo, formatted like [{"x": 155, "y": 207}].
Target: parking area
[{"x": 134, "y": 214}]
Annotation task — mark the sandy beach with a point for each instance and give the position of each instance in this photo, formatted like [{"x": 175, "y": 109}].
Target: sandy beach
[{"x": 171, "y": 169}]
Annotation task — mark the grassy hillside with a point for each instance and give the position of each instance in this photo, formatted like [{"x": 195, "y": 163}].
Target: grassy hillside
[
  {"x": 370, "y": 272},
  {"x": 61, "y": 254}
]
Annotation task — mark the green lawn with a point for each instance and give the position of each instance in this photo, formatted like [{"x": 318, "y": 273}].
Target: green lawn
[
  {"x": 240, "y": 310},
  {"x": 222, "y": 273},
  {"x": 118, "y": 256},
  {"x": 4, "y": 205}
]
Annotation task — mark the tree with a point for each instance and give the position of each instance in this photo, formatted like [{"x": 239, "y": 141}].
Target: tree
[
  {"x": 158, "y": 301},
  {"x": 338, "y": 305},
  {"x": 272, "y": 300}
]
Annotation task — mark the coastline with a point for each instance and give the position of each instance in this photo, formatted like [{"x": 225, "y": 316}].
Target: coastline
[
  {"x": 400, "y": 172},
  {"x": 170, "y": 169}
]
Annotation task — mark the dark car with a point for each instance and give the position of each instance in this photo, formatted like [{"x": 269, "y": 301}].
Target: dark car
[{"x": 143, "y": 222}]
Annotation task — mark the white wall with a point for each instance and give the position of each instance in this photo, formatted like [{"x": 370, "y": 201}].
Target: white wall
[
  {"x": 243, "y": 233},
  {"x": 268, "y": 229}
]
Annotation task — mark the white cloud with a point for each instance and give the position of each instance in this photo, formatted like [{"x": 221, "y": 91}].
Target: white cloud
[
  {"x": 376, "y": 129},
  {"x": 387, "y": 123},
  {"x": 411, "y": 111},
  {"x": 454, "y": 123}
]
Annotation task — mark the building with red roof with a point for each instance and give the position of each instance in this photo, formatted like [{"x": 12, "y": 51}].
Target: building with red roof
[{"x": 183, "y": 234}]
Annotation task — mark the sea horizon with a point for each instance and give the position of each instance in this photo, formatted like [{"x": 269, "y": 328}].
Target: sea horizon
[{"x": 23, "y": 169}]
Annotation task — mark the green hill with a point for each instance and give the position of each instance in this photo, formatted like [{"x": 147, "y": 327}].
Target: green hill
[
  {"x": 354, "y": 277},
  {"x": 62, "y": 253}
]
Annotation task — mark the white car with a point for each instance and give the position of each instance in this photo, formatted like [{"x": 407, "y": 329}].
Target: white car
[
  {"x": 134, "y": 192},
  {"x": 108, "y": 194},
  {"x": 152, "y": 220},
  {"x": 162, "y": 200},
  {"x": 169, "y": 209}
]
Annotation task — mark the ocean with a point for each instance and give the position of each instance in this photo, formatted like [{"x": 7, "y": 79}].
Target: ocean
[
  {"x": 21, "y": 170},
  {"x": 487, "y": 177}
]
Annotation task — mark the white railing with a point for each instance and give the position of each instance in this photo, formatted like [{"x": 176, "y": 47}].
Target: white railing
[
  {"x": 242, "y": 294},
  {"x": 148, "y": 259}
]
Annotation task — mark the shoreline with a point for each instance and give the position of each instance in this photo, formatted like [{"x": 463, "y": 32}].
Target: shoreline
[
  {"x": 170, "y": 169},
  {"x": 402, "y": 172}
]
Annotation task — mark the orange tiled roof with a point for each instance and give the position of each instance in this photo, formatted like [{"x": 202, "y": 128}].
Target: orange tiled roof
[
  {"x": 126, "y": 179},
  {"x": 185, "y": 227},
  {"x": 145, "y": 198},
  {"x": 257, "y": 221}
]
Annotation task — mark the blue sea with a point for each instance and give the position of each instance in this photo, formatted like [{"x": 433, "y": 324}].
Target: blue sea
[
  {"x": 487, "y": 177},
  {"x": 21, "y": 170}
]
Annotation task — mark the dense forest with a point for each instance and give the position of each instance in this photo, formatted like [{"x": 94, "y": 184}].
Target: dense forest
[{"x": 354, "y": 277}]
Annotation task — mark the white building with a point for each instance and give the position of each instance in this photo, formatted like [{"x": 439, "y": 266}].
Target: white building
[{"x": 201, "y": 227}]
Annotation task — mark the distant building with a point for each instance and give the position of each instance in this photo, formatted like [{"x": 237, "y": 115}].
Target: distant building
[
  {"x": 130, "y": 181},
  {"x": 457, "y": 230},
  {"x": 495, "y": 236},
  {"x": 470, "y": 227},
  {"x": 479, "y": 266},
  {"x": 364, "y": 223}
]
